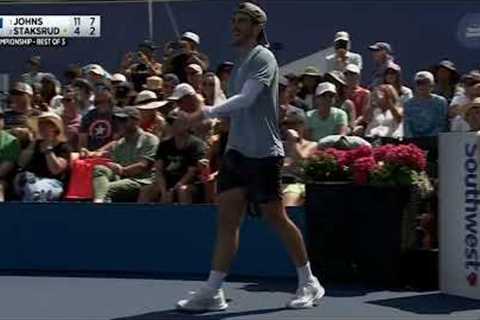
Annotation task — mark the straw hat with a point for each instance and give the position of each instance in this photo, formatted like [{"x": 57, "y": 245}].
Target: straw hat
[
  {"x": 33, "y": 124},
  {"x": 152, "y": 105},
  {"x": 153, "y": 83}
]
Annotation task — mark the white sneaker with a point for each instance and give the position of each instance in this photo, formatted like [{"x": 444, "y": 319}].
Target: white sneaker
[
  {"x": 203, "y": 300},
  {"x": 307, "y": 296}
]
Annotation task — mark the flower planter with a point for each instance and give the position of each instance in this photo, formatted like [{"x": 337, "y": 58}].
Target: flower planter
[
  {"x": 329, "y": 230},
  {"x": 354, "y": 232}
]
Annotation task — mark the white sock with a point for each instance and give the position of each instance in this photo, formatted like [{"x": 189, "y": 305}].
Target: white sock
[
  {"x": 215, "y": 280},
  {"x": 304, "y": 274}
]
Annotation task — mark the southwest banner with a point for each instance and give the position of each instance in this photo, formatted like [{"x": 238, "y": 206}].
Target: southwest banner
[{"x": 459, "y": 172}]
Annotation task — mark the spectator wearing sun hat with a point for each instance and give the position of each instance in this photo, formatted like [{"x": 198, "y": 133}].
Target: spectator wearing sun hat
[
  {"x": 309, "y": 79},
  {"x": 45, "y": 160},
  {"x": 151, "y": 119},
  {"x": 471, "y": 115},
  {"x": 382, "y": 54},
  {"x": 447, "y": 79},
  {"x": 393, "y": 76},
  {"x": 425, "y": 115},
  {"x": 326, "y": 120},
  {"x": 342, "y": 56}
]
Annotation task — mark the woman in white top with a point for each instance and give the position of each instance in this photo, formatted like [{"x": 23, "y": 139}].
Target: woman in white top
[
  {"x": 393, "y": 76},
  {"x": 385, "y": 116}
]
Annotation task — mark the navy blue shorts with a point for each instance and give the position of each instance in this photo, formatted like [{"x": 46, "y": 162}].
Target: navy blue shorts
[{"x": 260, "y": 177}]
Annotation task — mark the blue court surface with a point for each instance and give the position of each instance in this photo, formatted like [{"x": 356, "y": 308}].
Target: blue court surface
[{"x": 62, "y": 298}]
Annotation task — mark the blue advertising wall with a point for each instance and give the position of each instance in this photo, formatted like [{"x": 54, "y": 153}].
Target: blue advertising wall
[
  {"x": 131, "y": 238},
  {"x": 421, "y": 32}
]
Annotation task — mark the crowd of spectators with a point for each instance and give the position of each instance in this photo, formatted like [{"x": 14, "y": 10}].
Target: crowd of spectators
[{"x": 120, "y": 137}]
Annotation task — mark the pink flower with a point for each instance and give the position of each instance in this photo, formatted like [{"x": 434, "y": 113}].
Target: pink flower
[
  {"x": 407, "y": 156},
  {"x": 357, "y": 153}
]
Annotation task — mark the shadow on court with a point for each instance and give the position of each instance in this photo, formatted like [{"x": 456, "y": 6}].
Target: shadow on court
[
  {"x": 174, "y": 315},
  {"x": 436, "y": 303}
]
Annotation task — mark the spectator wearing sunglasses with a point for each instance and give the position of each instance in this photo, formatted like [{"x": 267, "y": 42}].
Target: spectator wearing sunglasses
[
  {"x": 342, "y": 56},
  {"x": 71, "y": 117}
]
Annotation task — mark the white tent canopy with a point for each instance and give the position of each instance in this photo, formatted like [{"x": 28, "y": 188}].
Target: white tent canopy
[{"x": 316, "y": 60}]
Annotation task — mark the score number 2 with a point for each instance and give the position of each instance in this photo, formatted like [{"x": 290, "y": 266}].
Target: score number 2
[{"x": 76, "y": 22}]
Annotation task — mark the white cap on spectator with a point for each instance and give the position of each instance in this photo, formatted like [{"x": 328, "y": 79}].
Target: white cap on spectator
[
  {"x": 182, "y": 90},
  {"x": 118, "y": 77},
  {"x": 325, "y": 87},
  {"x": 23, "y": 87},
  {"x": 342, "y": 35},
  {"x": 98, "y": 70},
  {"x": 145, "y": 96},
  {"x": 424, "y": 75},
  {"x": 191, "y": 36},
  {"x": 195, "y": 67},
  {"x": 353, "y": 68}
]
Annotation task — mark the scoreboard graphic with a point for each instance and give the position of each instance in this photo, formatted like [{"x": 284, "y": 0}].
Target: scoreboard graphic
[{"x": 48, "y": 30}]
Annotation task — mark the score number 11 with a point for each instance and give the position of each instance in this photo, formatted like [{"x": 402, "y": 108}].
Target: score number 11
[{"x": 77, "y": 24}]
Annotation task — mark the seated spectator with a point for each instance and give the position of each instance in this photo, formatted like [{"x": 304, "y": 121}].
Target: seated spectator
[
  {"x": 33, "y": 75},
  {"x": 471, "y": 115},
  {"x": 342, "y": 102},
  {"x": 170, "y": 81},
  {"x": 192, "y": 39},
  {"x": 155, "y": 84},
  {"x": 20, "y": 109},
  {"x": 9, "y": 152},
  {"x": 85, "y": 95},
  {"x": 293, "y": 90},
  {"x": 326, "y": 119},
  {"x": 342, "y": 56},
  {"x": 142, "y": 64},
  {"x": 72, "y": 73},
  {"x": 132, "y": 158},
  {"x": 425, "y": 115},
  {"x": 51, "y": 91},
  {"x": 382, "y": 56},
  {"x": 186, "y": 99},
  {"x": 150, "y": 118},
  {"x": 212, "y": 90},
  {"x": 97, "y": 127},
  {"x": 310, "y": 79},
  {"x": 194, "y": 74},
  {"x": 296, "y": 149},
  {"x": 355, "y": 93},
  {"x": 471, "y": 84},
  {"x": 224, "y": 71},
  {"x": 122, "y": 93},
  {"x": 393, "y": 76},
  {"x": 284, "y": 98},
  {"x": 176, "y": 166},
  {"x": 95, "y": 73},
  {"x": 44, "y": 162},
  {"x": 71, "y": 118},
  {"x": 447, "y": 79},
  {"x": 385, "y": 117}
]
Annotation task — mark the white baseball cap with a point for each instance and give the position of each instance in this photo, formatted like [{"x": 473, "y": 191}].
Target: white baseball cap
[
  {"x": 197, "y": 68},
  {"x": 97, "y": 69},
  {"x": 182, "y": 90},
  {"x": 191, "y": 36},
  {"x": 342, "y": 35},
  {"x": 424, "y": 75},
  {"x": 353, "y": 68},
  {"x": 118, "y": 77},
  {"x": 325, "y": 87}
]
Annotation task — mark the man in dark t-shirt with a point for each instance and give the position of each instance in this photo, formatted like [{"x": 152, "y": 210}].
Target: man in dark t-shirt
[{"x": 177, "y": 160}]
